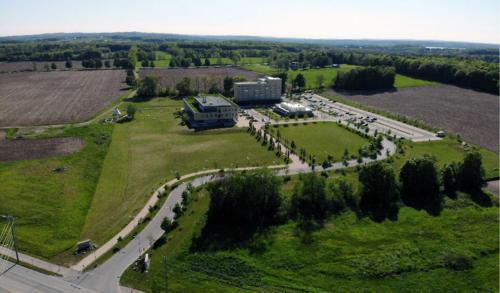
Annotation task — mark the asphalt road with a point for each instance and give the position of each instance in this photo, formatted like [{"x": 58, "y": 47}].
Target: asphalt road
[
  {"x": 20, "y": 279},
  {"x": 106, "y": 277}
]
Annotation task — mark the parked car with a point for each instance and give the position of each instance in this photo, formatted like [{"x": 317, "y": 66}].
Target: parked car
[{"x": 440, "y": 133}]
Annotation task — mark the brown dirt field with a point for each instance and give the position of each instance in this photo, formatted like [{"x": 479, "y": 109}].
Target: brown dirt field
[
  {"x": 21, "y": 149},
  {"x": 200, "y": 77},
  {"x": 43, "y": 98},
  {"x": 6, "y": 67},
  {"x": 473, "y": 115}
]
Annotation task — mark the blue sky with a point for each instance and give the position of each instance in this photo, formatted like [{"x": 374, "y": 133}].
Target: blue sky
[{"x": 457, "y": 20}]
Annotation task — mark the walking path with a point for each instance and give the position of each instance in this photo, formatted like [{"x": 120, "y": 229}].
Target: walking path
[{"x": 105, "y": 278}]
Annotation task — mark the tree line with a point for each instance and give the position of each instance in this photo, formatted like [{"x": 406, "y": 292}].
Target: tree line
[{"x": 245, "y": 203}]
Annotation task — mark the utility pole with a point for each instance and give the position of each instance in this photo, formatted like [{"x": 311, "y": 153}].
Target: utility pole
[{"x": 166, "y": 272}]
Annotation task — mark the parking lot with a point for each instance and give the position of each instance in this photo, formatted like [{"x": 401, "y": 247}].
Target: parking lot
[{"x": 324, "y": 108}]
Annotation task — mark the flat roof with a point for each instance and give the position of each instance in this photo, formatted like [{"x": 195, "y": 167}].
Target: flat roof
[{"x": 212, "y": 101}]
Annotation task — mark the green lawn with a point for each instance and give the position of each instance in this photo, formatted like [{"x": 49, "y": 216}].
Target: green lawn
[
  {"x": 446, "y": 151},
  {"x": 260, "y": 68},
  {"x": 346, "y": 255},
  {"x": 51, "y": 207},
  {"x": 403, "y": 81},
  {"x": 228, "y": 61},
  {"x": 322, "y": 139},
  {"x": 311, "y": 75},
  {"x": 162, "y": 59},
  {"x": 149, "y": 151}
]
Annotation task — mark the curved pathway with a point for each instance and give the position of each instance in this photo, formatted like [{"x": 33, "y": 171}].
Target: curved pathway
[{"x": 106, "y": 277}]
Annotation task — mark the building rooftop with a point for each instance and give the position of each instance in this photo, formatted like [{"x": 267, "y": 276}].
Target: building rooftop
[
  {"x": 212, "y": 101},
  {"x": 260, "y": 80}
]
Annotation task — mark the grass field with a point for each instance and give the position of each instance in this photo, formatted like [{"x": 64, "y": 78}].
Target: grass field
[
  {"x": 403, "y": 81},
  {"x": 51, "y": 207},
  {"x": 162, "y": 59},
  {"x": 323, "y": 139},
  {"x": 346, "y": 255},
  {"x": 150, "y": 151},
  {"x": 446, "y": 151},
  {"x": 260, "y": 68},
  {"x": 243, "y": 60},
  {"x": 311, "y": 76}
]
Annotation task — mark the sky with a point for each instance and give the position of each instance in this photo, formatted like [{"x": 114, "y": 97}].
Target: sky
[{"x": 451, "y": 20}]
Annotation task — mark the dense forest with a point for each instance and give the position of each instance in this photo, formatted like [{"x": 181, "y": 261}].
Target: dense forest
[{"x": 475, "y": 68}]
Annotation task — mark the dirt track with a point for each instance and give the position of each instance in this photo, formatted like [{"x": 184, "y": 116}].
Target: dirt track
[
  {"x": 473, "y": 115},
  {"x": 38, "y": 148},
  {"x": 41, "y": 98}
]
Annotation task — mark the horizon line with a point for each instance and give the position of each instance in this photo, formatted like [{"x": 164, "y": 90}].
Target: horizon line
[{"x": 254, "y": 36}]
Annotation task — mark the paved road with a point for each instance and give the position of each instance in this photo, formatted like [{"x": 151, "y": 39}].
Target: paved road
[
  {"x": 19, "y": 279},
  {"x": 493, "y": 187},
  {"x": 106, "y": 277}
]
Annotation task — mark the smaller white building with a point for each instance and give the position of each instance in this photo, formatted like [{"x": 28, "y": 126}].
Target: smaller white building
[{"x": 292, "y": 109}]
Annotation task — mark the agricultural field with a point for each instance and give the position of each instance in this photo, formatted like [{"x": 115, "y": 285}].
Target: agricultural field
[
  {"x": 8, "y": 67},
  {"x": 323, "y": 139},
  {"x": 473, "y": 115},
  {"x": 151, "y": 150},
  {"x": 57, "y": 97},
  {"x": 93, "y": 193},
  {"x": 29, "y": 149},
  {"x": 201, "y": 78},
  {"x": 346, "y": 254}
]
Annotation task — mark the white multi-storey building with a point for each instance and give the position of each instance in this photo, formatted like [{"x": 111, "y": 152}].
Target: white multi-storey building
[{"x": 267, "y": 89}]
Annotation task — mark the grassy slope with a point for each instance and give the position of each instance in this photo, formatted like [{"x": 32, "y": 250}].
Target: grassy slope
[
  {"x": 51, "y": 207},
  {"x": 322, "y": 139},
  {"x": 149, "y": 151},
  {"x": 347, "y": 255}
]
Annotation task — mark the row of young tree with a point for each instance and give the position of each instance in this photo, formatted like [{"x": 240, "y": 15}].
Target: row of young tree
[
  {"x": 150, "y": 86},
  {"x": 249, "y": 202}
]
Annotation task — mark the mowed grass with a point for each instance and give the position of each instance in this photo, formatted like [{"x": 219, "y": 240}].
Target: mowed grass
[
  {"x": 51, "y": 207},
  {"x": 403, "y": 81},
  {"x": 322, "y": 139},
  {"x": 149, "y": 151},
  {"x": 446, "y": 151},
  {"x": 347, "y": 255}
]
